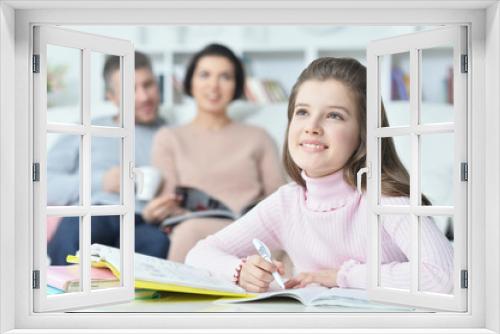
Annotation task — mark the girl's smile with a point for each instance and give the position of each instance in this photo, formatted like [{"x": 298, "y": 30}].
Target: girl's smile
[
  {"x": 313, "y": 146},
  {"x": 324, "y": 130}
]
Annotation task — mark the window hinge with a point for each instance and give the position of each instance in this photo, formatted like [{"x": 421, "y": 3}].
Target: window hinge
[
  {"x": 36, "y": 172},
  {"x": 36, "y": 279},
  {"x": 464, "y": 171},
  {"x": 464, "y": 279},
  {"x": 36, "y": 63},
  {"x": 465, "y": 66}
]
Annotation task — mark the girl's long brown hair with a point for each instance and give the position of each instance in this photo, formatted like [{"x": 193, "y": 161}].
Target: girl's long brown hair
[{"x": 395, "y": 178}]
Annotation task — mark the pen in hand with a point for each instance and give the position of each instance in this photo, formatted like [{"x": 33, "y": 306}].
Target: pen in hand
[{"x": 264, "y": 251}]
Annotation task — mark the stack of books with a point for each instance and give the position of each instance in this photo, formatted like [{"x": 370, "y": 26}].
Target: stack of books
[{"x": 63, "y": 279}]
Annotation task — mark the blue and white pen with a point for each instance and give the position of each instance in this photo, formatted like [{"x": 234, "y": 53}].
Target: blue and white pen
[{"x": 266, "y": 254}]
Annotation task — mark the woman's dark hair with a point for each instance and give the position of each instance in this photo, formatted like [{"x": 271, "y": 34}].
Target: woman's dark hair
[
  {"x": 394, "y": 176},
  {"x": 220, "y": 51}
]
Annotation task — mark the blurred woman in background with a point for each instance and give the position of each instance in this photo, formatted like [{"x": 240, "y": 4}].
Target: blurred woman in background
[{"x": 235, "y": 163}]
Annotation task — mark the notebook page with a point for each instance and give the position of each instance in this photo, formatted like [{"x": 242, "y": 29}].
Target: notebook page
[
  {"x": 306, "y": 295},
  {"x": 152, "y": 269}
]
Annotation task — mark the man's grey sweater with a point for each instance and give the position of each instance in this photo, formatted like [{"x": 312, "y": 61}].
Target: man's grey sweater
[{"x": 63, "y": 178}]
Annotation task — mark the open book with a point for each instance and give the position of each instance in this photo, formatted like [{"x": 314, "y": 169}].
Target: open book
[
  {"x": 162, "y": 275},
  {"x": 199, "y": 204},
  {"x": 322, "y": 296}
]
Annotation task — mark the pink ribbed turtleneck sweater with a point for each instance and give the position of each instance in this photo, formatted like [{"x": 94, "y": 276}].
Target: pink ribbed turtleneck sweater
[{"x": 325, "y": 227}]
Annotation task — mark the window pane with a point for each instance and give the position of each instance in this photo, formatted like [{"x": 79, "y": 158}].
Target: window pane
[
  {"x": 63, "y": 169},
  {"x": 437, "y": 156},
  {"x": 395, "y": 161},
  {"x": 437, "y": 85},
  {"x": 63, "y": 85},
  {"x": 432, "y": 279},
  {"x": 63, "y": 235},
  {"x": 106, "y": 171},
  {"x": 394, "y": 265},
  {"x": 105, "y": 230},
  {"x": 105, "y": 100},
  {"x": 395, "y": 89}
]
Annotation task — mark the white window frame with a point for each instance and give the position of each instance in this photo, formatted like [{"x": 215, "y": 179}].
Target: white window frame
[
  {"x": 16, "y": 216},
  {"x": 85, "y": 44},
  {"x": 413, "y": 44}
]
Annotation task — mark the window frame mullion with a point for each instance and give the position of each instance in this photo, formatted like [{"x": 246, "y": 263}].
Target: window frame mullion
[
  {"x": 415, "y": 94},
  {"x": 86, "y": 174}
]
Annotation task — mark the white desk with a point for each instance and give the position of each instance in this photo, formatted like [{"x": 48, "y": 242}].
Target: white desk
[{"x": 180, "y": 302}]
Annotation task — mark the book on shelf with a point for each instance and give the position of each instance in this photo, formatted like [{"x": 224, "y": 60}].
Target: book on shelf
[
  {"x": 67, "y": 278},
  {"x": 315, "y": 295},
  {"x": 264, "y": 91},
  {"x": 399, "y": 84},
  {"x": 199, "y": 204},
  {"x": 152, "y": 273}
]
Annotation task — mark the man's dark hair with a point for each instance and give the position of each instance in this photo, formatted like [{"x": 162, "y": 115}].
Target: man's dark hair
[
  {"x": 221, "y": 51},
  {"x": 112, "y": 64}
]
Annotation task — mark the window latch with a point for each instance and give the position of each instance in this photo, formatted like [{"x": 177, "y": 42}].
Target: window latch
[{"x": 365, "y": 170}]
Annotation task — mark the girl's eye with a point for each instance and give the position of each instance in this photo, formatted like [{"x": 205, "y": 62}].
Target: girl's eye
[
  {"x": 300, "y": 112},
  {"x": 335, "y": 115}
]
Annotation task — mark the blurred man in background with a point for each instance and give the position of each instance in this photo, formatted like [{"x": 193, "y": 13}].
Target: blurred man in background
[{"x": 63, "y": 164}]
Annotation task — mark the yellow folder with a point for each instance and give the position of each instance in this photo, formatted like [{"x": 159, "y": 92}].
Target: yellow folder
[{"x": 162, "y": 275}]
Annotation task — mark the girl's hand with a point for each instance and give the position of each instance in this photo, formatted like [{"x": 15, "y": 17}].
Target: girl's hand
[
  {"x": 326, "y": 278},
  {"x": 256, "y": 273},
  {"x": 161, "y": 207}
]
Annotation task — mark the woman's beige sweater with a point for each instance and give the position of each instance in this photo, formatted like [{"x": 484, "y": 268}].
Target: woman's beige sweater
[{"x": 237, "y": 164}]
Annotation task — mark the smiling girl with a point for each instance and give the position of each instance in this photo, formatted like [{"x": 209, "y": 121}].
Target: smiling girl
[{"x": 320, "y": 219}]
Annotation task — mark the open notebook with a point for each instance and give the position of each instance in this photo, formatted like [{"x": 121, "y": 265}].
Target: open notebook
[
  {"x": 162, "y": 275},
  {"x": 321, "y": 296}
]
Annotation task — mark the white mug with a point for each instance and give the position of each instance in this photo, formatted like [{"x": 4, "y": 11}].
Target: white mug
[{"x": 148, "y": 182}]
